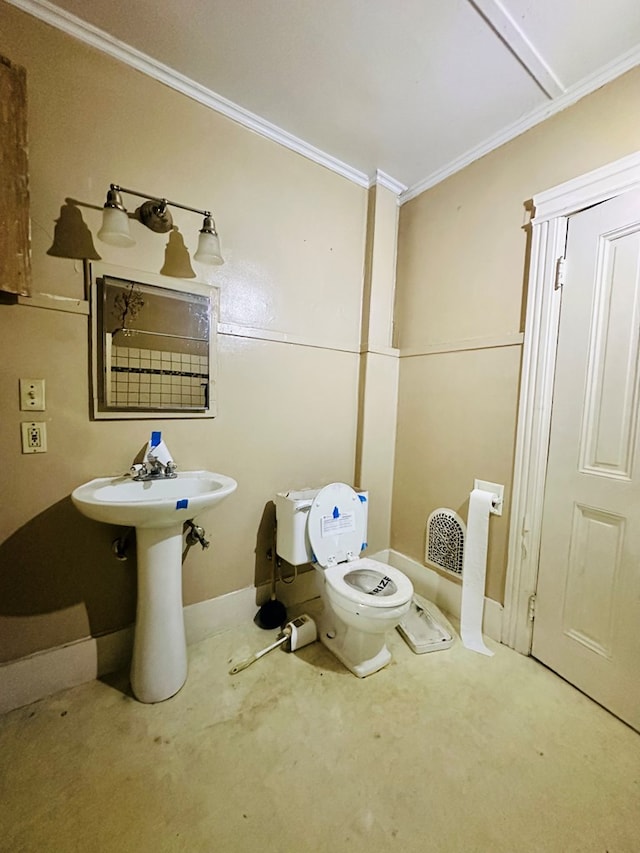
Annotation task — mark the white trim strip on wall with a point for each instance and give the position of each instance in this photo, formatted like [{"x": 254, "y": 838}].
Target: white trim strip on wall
[
  {"x": 56, "y": 303},
  {"x": 237, "y": 330},
  {"x": 392, "y": 352},
  {"x": 81, "y": 307},
  {"x": 511, "y": 339}
]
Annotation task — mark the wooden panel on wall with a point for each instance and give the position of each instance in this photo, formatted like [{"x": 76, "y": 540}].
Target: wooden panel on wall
[{"x": 15, "y": 253}]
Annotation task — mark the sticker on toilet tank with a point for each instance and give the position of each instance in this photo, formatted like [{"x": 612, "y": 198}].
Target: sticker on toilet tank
[{"x": 331, "y": 525}]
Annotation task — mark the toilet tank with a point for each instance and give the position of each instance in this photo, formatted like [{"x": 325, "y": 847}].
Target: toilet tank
[{"x": 292, "y": 510}]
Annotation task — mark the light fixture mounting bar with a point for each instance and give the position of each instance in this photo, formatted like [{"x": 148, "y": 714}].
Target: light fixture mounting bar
[
  {"x": 155, "y": 215},
  {"x": 163, "y": 201}
]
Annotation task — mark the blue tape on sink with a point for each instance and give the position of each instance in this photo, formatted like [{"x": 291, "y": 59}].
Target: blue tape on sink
[{"x": 182, "y": 504}]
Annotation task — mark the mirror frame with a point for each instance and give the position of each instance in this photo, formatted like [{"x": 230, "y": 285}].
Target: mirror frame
[{"x": 95, "y": 271}]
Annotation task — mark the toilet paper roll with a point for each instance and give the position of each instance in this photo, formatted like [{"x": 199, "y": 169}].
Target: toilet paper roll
[{"x": 474, "y": 570}]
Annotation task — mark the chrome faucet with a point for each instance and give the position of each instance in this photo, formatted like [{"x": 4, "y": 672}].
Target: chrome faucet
[{"x": 153, "y": 469}]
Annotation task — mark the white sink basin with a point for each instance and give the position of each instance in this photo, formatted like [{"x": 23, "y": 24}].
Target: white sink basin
[
  {"x": 158, "y": 510},
  {"x": 152, "y": 503}
]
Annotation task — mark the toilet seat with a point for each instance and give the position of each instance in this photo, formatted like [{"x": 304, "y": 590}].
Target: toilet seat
[
  {"x": 336, "y": 529},
  {"x": 336, "y": 525},
  {"x": 370, "y": 588}
]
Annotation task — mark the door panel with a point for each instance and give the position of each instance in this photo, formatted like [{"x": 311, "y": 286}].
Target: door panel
[{"x": 587, "y": 623}]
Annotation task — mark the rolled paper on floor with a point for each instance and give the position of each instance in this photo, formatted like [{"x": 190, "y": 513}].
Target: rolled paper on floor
[{"x": 474, "y": 571}]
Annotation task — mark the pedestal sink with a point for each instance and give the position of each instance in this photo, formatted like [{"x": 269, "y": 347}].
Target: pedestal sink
[{"x": 157, "y": 509}]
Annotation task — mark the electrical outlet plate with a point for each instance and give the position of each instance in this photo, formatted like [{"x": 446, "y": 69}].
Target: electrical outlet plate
[
  {"x": 32, "y": 395},
  {"x": 496, "y": 489},
  {"x": 34, "y": 437}
]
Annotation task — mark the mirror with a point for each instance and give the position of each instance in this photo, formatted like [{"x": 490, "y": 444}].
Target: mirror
[{"x": 153, "y": 345}]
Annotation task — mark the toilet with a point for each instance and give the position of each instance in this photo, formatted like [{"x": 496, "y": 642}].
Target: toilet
[{"x": 363, "y": 599}]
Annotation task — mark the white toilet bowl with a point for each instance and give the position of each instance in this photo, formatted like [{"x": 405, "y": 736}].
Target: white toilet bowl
[{"x": 363, "y": 598}]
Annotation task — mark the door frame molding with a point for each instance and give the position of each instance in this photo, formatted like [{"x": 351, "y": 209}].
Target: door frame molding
[{"x": 552, "y": 210}]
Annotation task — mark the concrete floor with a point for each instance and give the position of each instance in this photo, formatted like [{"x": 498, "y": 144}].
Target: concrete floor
[{"x": 438, "y": 753}]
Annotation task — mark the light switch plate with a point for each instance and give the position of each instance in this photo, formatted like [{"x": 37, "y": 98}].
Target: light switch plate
[{"x": 32, "y": 395}]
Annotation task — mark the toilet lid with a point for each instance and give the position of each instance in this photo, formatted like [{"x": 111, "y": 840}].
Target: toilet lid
[{"x": 336, "y": 525}]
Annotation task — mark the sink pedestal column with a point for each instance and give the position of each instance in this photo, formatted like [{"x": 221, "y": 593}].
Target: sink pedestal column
[{"x": 159, "y": 665}]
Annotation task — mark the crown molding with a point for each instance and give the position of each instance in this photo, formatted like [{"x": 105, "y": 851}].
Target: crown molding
[
  {"x": 97, "y": 38},
  {"x": 573, "y": 94},
  {"x": 381, "y": 179},
  {"x": 87, "y": 33}
]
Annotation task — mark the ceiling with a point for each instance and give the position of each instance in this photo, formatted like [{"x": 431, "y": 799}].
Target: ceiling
[{"x": 411, "y": 90}]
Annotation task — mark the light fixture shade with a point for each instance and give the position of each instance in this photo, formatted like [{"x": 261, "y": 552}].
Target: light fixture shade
[
  {"x": 208, "y": 251},
  {"x": 115, "y": 228}
]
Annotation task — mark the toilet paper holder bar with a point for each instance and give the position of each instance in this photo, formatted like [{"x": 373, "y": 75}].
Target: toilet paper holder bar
[{"x": 494, "y": 488}]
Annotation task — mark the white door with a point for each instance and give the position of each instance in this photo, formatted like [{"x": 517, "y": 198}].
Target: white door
[{"x": 587, "y": 616}]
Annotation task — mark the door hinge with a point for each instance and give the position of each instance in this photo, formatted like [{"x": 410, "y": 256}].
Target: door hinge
[
  {"x": 561, "y": 264},
  {"x": 531, "y": 613}
]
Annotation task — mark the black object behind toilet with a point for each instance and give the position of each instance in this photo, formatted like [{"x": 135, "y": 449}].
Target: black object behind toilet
[{"x": 273, "y": 613}]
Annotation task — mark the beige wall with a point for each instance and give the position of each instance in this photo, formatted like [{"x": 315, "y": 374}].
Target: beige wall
[
  {"x": 461, "y": 266},
  {"x": 296, "y": 238},
  {"x": 293, "y": 234}
]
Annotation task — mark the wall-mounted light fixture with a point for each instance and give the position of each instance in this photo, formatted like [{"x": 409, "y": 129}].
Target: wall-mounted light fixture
[{"x": 155, "y": 214}]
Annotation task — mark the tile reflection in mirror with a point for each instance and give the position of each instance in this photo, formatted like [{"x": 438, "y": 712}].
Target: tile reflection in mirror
[{"x": 153, "y": 345}]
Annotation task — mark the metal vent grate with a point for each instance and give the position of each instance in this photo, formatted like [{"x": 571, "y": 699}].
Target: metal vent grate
[{"x": 445, "y": 540}]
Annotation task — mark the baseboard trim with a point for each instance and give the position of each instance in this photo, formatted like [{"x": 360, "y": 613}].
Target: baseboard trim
[
  {"x": 36, "y": 676},
  {"x": 31, "y": 678},
  {"x": 214, "y": 615},
  {"x": 39, "y": 675},
  {"x": 445, "y": 593}
]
